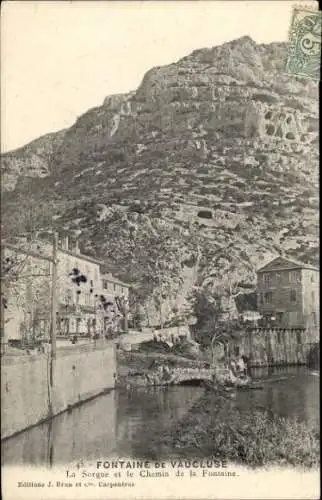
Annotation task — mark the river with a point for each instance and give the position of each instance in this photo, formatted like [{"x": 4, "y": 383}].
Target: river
[{"x": 120, "y": 424}]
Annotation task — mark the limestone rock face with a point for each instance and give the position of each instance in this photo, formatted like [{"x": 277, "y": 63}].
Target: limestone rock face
[
  {"x": 32, "y": 160},
  {"x": 222, "y": 129}
]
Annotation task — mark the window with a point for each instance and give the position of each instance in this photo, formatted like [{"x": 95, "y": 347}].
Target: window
[
  {"x": 69, "y": 295},
  {"x": 293, "y": 297},
  {"x": 313, "y": 296},
  {"x": 312, "y": 278},
  {"x": 268, "y": 297},
  {"x": 267, "y": 278},
  {"x": 294, "y": 277},
  {"x": 293, "y": 318},
  {"x": 78, "y": 323},
  {"x": 298, "y": 336},
  {"x": 105, "y": 285},
  {"x": 279, "y": 340},
  {"x": 279, "y": 317},
  {"x": 314, "y": 321}
]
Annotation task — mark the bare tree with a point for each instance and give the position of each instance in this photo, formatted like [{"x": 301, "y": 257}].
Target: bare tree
[
  {"x": 218, "y": 338},
  {"x": 123, "y": 306}
]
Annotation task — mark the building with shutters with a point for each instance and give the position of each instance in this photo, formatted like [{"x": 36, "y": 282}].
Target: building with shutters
[
  {"x": 288, "y": 294},
  {"x": 28, "y": 298},
  {"x": 117, "y": 293}
]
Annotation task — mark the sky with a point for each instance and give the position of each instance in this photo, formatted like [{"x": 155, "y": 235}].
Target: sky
[{"x": 60, "y": 58}]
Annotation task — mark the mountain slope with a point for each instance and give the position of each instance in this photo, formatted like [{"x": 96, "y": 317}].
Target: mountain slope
[{"x": 217, "y": 153}]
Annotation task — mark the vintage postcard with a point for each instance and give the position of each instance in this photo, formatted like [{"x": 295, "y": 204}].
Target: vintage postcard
[{"x": 160, "y": 250}]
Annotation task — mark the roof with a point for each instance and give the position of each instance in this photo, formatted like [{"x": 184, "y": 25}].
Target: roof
[
  {"x": 44, "y": 256},
  {"x": 111, "y": 279},
  {"x": 28, "y": 252},
  {"x": 280, "y": 263},
  {"x": 81, "y": 256}
]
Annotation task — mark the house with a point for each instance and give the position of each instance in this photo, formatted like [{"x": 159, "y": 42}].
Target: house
[
  {"x": 114, "y": 286},
  {"x": 78, "y": 306},
  {"x": 117, "y": 292},
  {"x": 288, "y": 294},
  {"x": 28, "y": 291},
  {"x": 25, "y": 293}
]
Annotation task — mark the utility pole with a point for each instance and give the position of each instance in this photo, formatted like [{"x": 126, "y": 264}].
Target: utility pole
[
  {"x": 3, "y": 299},
  {"x": 161, "y": 312},
  {"x": 53, "y": 305}
]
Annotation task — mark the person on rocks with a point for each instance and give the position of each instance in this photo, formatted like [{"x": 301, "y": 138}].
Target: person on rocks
[
  {"x": 232, "y": 367},
  {"x": 232, "y": 372},
  {"x": 246, "y": 363},
  {"x": 241, "y": 367}
]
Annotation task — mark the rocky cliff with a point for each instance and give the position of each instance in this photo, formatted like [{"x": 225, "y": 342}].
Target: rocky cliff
[{"x": 206, "y": 170}]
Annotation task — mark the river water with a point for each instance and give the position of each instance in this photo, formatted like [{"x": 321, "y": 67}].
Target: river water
[{"x": 120, "y": 424}]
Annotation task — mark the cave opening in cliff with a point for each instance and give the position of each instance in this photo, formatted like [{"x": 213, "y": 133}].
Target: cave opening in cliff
[{"x": 205, "y": 214}]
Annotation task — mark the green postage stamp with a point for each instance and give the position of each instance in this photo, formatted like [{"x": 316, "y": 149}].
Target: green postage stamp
[{"x": 304, "y": 52}]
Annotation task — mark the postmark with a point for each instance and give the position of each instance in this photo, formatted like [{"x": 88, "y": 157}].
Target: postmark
[{"x": 304, "y": 51}]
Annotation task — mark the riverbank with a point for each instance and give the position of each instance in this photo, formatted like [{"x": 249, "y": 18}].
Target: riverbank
[
  {"x": 132, "y": 362},
  {"x": 150, "y": 368},
  {"x": 253, "y": 438}
]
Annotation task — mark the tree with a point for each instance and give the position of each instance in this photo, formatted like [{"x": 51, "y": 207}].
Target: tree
[
  {"x": 228, "y": 274},
  {"x": 26, "y": 279},
  {"x": 123, "y": 306},
  {"x": 208, "y": 311},
  {"x": 24, "y": 285}
]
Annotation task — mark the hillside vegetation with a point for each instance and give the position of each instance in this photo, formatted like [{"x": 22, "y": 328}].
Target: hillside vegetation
[{"x": 198, "y": 177}]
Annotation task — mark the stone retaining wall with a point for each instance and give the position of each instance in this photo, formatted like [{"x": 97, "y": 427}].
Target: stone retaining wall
[
  {"x": 275, "y": 346},
  {"x": 27, "y": 396}
]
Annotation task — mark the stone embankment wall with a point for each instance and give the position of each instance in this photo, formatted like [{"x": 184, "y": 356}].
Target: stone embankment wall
[
  {"x": 27, "y": 397},
  {"x": 165, "y": 376},
  {"x": 274, "y": 346}
]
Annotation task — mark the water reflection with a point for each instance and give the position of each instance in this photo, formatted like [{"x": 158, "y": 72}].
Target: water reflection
[
  {"x": 123, "y": 424},
  {"x": 143, "y": 414},
  {"x": 70, "y": 437},
  {"x": 116, "y": 424},
  {"x": 296, "y": 393}
]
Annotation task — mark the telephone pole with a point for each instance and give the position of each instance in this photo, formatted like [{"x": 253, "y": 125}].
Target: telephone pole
[
  {"x": 53, "y": 328},
  {"x": 3, "y": 299}
]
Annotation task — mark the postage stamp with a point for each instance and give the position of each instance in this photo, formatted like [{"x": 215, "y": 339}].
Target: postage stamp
[{"x": 304, "y": 51}]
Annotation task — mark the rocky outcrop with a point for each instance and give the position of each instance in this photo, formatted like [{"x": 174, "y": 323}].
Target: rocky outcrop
[
  {"x": 32, "y": 160},
  {"x": 223, "y": 129}
]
